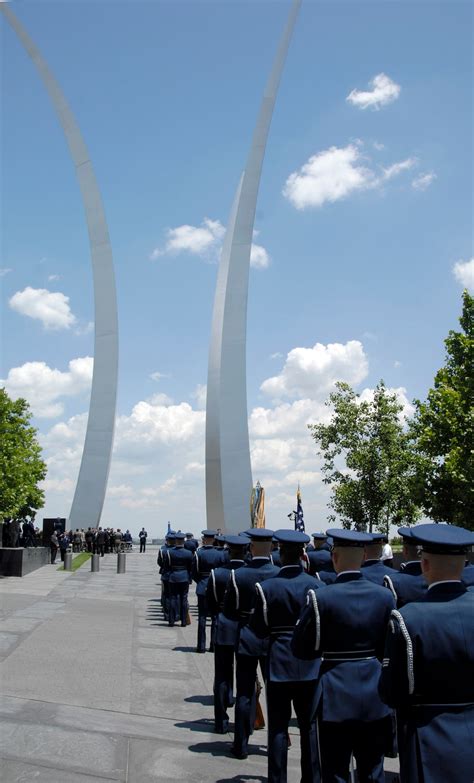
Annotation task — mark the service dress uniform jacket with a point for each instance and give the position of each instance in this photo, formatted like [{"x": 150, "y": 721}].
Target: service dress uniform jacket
[
  {"x": 375, "y": 570},
  {"x": 345, "y": 625},
  {"x": 226, "y": 636},
  {"x": 290, "y": 681},
  {"x": 428, "y": 675},
  {"x": 239, "y": 603},
  {"x": 406, "y": 587},
  {"x": 180, "y": 563},
  {"x": 467, "y": 575},
  {"x": 164, "y": 566},
  {"x": 205, "y": 559}
]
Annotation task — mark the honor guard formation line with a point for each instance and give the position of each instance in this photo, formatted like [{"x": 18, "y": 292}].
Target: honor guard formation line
[{"x": 373, "y": 662}]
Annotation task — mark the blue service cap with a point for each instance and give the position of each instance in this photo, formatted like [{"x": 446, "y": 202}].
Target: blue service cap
[
  {"x": 170, "y": 534},
  {"x": 240, "y": 540},
  {"x": 291, "y": 537},
  {"x": 244, "y": 534},
  {"x": 179, "y": 536},
  {"x": 319, "y": 536},
  {"x": 219, "y": 538},
  {"x": 443, "y": 539},
  {"x": 260, "y": 534},
  {"x": 189, "y": 534},
  {"x": 343, "y": 537},
  {"x": 405, "y": 532},
  {"x": 378, "y": 538},
  {"x": 209, "y": 533}
]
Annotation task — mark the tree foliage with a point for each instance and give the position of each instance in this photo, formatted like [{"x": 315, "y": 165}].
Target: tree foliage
[
  {"x": 443, "y": 430},
  {"x": 21, "y": 466},
  {"x": 369, "y": 461}
]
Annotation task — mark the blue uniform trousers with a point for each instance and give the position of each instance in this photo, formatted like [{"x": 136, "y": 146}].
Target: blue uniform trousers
[
  {"x": 178, "y": 602},
  {"x": 165, "y": 598},
  {"x": 246, "y": 700},
  {"x": 280, "y": 697},
  {"x": 223, "y": 685},
  {"x": 203, "y": 614},
  {"x": 367, "y": 741}
]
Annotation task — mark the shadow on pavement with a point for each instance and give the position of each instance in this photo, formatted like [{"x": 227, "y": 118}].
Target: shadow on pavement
[
  {"x": 184, "y": 649},
  {"x": 206, "y": 699},
  {"x": 205, "y": 725},
  {"x": 214, "y": 748},
  {"x": 243, "y": 779}
]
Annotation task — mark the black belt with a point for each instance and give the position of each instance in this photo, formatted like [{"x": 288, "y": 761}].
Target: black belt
[
  {"x": 204, "y": 575},
  {"x": 422, "y": 701},
  {"x": 282, "y": 629},
  {"x": 348, "y": 655},
  {"x": 179, "y": 568}
]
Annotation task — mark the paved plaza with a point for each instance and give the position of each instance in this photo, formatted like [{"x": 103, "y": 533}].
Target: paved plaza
[{"x": 94, "y": 685}]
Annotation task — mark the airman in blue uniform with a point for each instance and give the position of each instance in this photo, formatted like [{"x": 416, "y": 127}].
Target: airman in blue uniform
[
  {"x": 319, "y": 555},
  {"x": 239, "y": 603},
  {"x": 206, "y": 558},
  {"x": 345, "y": 626},
  {"x": 290, "y": 681},
  {"x": 408, "y": 584},
  {"x": 163, "y": 564},
  {"x": 180, "y": 563},
  {"x": 275, "y": 553},
  {"x": 191, "y": 543},
  {"x": 373, "y": 567},
  {"x": 428, "y": 668},
  {"x": 227, "y": 632}
]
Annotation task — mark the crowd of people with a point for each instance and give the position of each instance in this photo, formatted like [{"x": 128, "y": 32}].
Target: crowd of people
[
  {"x": 374, "y": 661},
  {"x": 100, "y": 541}
]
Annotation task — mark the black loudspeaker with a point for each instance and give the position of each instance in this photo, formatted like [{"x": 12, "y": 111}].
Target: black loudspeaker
[{"x": 58, "y": 524}]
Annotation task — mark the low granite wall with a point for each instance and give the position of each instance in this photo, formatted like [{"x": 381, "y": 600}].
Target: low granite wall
[{"x": 19, "y": 561}]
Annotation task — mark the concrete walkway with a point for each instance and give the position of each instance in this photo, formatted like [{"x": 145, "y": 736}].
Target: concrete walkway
[{"x": 94, "y": 686}]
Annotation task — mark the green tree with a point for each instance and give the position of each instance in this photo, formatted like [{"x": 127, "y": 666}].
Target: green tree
[
  {"x": 369, "y": 461},
  {"x": 21, "y": 466},
  {"x": 443, "y": 430}
]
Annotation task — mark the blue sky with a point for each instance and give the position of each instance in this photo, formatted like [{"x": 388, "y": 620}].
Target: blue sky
[{"x": 359, "y": 255}]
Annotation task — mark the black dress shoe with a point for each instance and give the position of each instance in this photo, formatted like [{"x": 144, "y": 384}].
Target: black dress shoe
[
  {"x": 200, "y": 651},
  {"x": 238, "y": 754}
]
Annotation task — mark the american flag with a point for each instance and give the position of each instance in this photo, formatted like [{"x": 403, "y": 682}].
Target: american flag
[{"x": 299, "y": 521}]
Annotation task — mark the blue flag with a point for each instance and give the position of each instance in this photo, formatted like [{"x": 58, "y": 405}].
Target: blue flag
[{"x": 299, "y": 521}]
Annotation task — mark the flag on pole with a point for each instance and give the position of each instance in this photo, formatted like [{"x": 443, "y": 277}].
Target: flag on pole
[
  {"x": 257, "y": 506},
  {"x": 299, "y": 521}
]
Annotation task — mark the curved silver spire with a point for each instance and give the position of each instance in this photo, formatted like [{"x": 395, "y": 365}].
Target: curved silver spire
[
  {"x": 95, "y": 464},
  {"x": 228, "y": 469}
]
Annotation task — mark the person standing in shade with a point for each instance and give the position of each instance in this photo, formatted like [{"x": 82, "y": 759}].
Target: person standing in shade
[
  {"x": 180, "y": 563},
  {"x": 53, "y": 545},
  {"x": 239, "y": 603},
  {"x": 142, "y": 536},
  {"x": 290, "y": 682},
  {"x": 345, "y": 626},
  {"x": 227, "y": 632},
  {"x": 428, "y": 666},
  {"x": 205, "y": 559}
]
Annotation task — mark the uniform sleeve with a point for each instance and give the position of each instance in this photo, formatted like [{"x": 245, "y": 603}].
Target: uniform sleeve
[
  {"x": 259, "y": 618},
  {"x": 231, "y": 599},
  {"x": 397, "y": 680},
  {"x": 306, "y": 641},
  {"x": 195, "y": 567},
  {"x": 211, "y": 593}
]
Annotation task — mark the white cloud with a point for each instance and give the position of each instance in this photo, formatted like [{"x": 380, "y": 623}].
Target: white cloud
[
  {"x": 276, "y": 355},
  {"x": 54, "y": 277},
  {"x": 43, "y": 386},
  {"x": 157, "y": 376},
  {"x": 5, "y": 271},
  {"x": 86, "y": 328},
  {"x": 367, "y": 395},
  {"x": 423, "y": 181},
  {"x": 200, "y": 394},
  {"x": 379, "y": 146},
  {"x": 464, "y": 273},
  {"x": 384, "y": 91},
  {"x": 205, "y": 241},
  {"x": 259, "y": 258},
  {"x": 312, "y": 372},
  {"x": 397, "y": 168},
  {"x": 51, "y": 308},
  {"x": 397, "y": 364},
  {"x": 335, "y": 174},
  {"x": 328, "y": 176}
]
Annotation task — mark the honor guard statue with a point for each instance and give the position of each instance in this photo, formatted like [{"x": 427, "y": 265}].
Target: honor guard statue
[
  {"x": 290, "y": 682},
  {"x": 345, "y": 626},
  {"x": 180, "y": 562},
  {"x": 206, "y": 558},
  {"x": 239, "y": 603},
  {"x": 227, "y": 632},
  {"x": 428, "y": 668}
]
